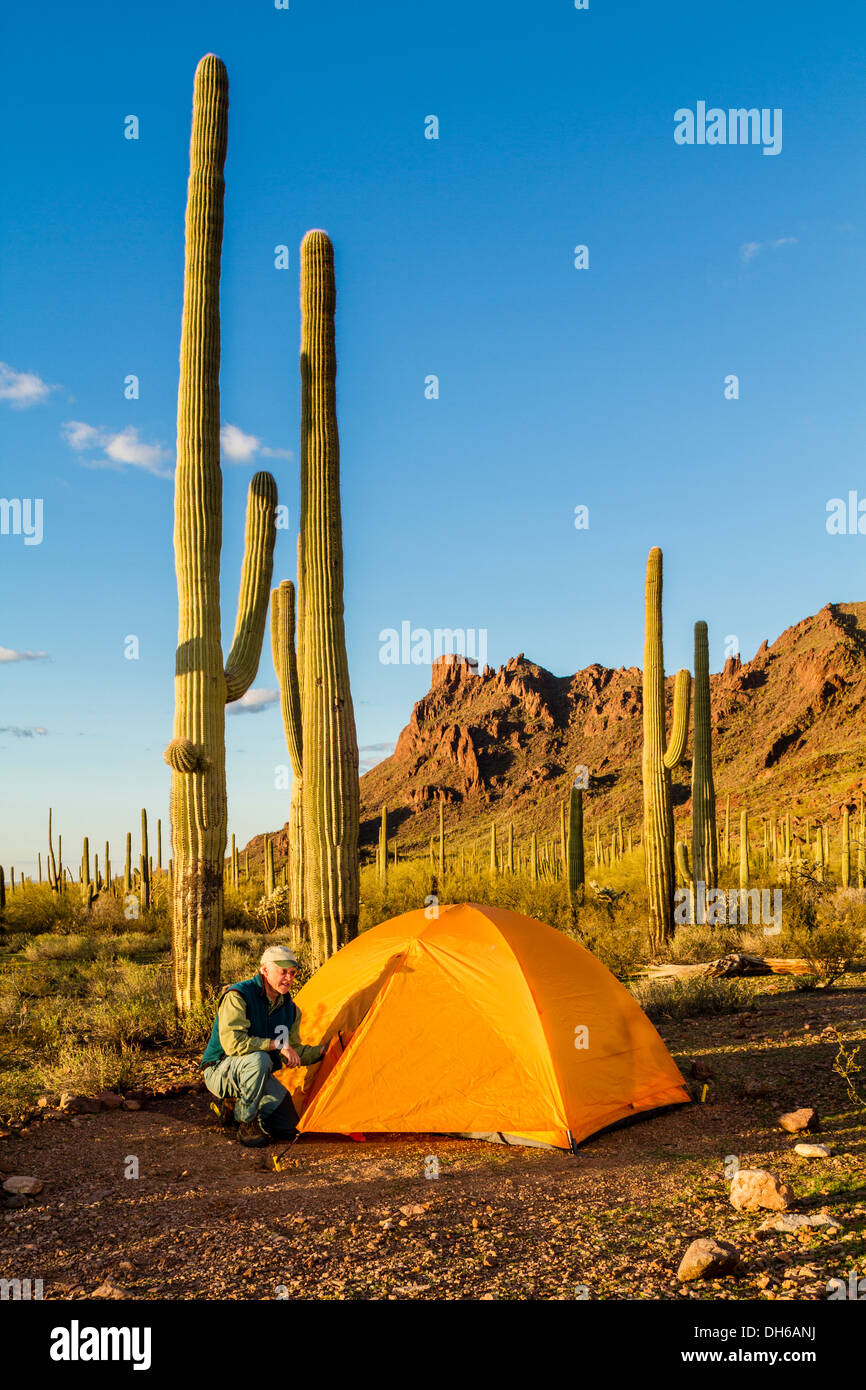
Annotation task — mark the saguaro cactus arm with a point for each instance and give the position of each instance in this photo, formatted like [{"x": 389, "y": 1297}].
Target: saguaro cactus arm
[
  {"x": 679, "y": 736},
  {"x": 256, "y": 571},
  {"x": 286, "y": 667}
]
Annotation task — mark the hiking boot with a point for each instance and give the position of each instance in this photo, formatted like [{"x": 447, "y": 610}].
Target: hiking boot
[
  {"x": 282, "y": 1122},
  {"x": 224, "y": 1110},
  {"x": 251, "y": 1134}
]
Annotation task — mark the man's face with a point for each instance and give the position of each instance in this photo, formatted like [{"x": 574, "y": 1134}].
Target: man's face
[{"x": 278, "y": 977}]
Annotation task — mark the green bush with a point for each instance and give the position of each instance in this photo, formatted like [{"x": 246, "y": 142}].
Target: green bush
[
  {"x": 828, "y": 948},
  {"x": 89, "y": 1070},
  {"x": 679, "y": 999}
]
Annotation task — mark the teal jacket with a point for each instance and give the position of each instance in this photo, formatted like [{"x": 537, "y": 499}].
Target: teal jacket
[{"x": 265, "y": 1022}]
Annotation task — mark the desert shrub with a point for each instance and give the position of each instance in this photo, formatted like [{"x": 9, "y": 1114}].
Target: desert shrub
[
  {"x": 619, "y": 942},
  {"x": 69, "y": 947},
  {"x": 249, "y": 938},
  {"x": 694, "y": 944},
  {"x": 88, "y": 1070},
  {"x": 802, "y": 899},
  {"x": 133, "y": 944},
  {"x": 35, "y": 908},
  {"x": 239, "y": 961},
  {"x": 828, "y": 948},
  {"x": 238, "y": 910},
  {"x": 13, "y": 941},
  {"x": 678, "y": 999}
]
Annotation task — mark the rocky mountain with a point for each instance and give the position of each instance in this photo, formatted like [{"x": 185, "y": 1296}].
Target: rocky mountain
[{"x": 788, "y": 736}]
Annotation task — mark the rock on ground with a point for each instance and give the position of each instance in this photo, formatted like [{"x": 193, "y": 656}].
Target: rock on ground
[
  {"x": 708, "y": 1259},
  {"x": 792, "y": 1222},
  {"x": 755, "y": 1188},
  {"x": 109, "y": 1288},
  {"x": 19, "y": 1185},
  {"x": 797, "y": 1120}
]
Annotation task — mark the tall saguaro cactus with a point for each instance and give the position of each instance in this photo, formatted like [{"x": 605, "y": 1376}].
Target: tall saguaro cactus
[
  {"x": 704, "y": 842},
  {"x": 659, "y": 757},
  {"x": 330, "y": 794},
  {"x": 286, "y": 666},
  {"x": 203, "y": 684}
]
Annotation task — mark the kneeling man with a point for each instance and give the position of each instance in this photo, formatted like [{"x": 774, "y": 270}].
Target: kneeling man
[{"x": 254, "y": 1033}]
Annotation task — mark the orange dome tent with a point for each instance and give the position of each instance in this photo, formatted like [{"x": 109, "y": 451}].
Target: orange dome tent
[{"x": 478, "y": 1022}]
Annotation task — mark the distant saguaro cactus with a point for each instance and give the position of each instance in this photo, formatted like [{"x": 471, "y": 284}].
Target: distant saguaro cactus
[
  {"x": 270, "y": 877},
  {"x": 203, "y": 683},
  {"x": 383, "y": 848},
  {"x": 442, "y": 839},
  {"x": 144, "y": 866},
  {"x": 744, "y": 849},
  {"x": 330, "y": 795},
  {"x": 575, "y": 847},
  {"x": 659, "y": 757},
  {"x": 846, "y": 849},
  {"x": 704, "y": 841}
]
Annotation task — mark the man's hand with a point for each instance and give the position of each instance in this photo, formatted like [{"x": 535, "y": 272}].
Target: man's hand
[{"x": 291, "y": 1057}]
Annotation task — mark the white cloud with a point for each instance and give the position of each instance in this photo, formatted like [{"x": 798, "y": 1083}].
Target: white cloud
[
  {"x": 18, "y": 732},
  {"x": 126, "y": 447},
  {"x": 253, "y": 702},
  {"x": 236, "y": 446},
  {"x": 81, "y": 436},
  {"x": 750, "y": 249},
  {"x": 119, "y": 447},
  {"x": 371, "y": 754},
  {"x": 7, "y": 654},
  {"x": 22, "y": 389}
]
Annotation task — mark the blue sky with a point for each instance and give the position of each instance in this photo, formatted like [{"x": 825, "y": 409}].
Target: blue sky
[{"x": 558, "y": 387}]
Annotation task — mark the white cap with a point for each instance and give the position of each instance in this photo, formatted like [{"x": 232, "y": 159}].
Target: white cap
[{"x": 279, "y": 955}]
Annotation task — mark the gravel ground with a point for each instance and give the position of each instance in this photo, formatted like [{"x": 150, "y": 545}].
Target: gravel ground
[{"x": 207, "y": 1219}]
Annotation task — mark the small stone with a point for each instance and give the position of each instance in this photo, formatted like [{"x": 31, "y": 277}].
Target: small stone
[
  {"x": 812, "y": 1150},
  {"x": 793, "y": 1221},
  {"x": 414, "y": 1210},
  {"x": 797, "y": 1120},
  {"x": 20, "y": 1186},
  {"x": 42, "y": 1102},
  {"x": 82, "y": 1105},
  {"x": 109, "y": 1288},
  {"x": 708, "y": 1259},
  {"x": 754, "y": 1188},
  {"x": 110, "y": 1099},
  {"x": 132, "y": 1104}
]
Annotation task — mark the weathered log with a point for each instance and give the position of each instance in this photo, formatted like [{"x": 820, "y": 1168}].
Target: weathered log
[{"x": 775, "y": 965}]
